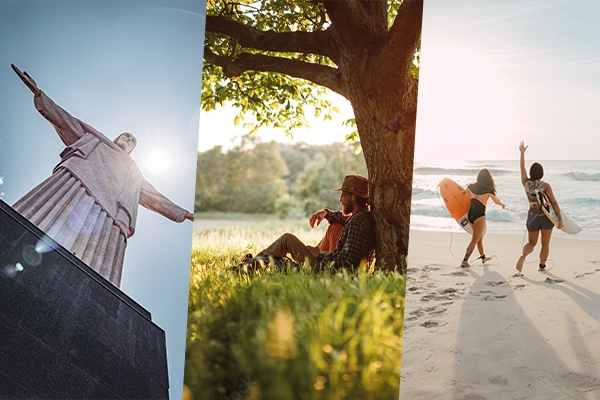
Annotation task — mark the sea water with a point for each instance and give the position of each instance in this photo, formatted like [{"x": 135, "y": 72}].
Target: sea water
[{"x": 576, "y": 187}]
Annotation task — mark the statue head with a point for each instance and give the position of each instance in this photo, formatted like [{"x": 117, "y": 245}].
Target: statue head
[{"x": 126, "y": 141}]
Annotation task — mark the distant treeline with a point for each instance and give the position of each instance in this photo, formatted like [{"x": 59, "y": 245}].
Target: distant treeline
[{"x": 285, "y": 179}]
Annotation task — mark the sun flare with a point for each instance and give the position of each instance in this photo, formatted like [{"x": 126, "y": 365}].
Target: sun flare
[{"x": 158, "y": 162}]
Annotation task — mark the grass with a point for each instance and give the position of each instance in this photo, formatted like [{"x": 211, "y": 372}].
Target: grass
[{"x": 288, "y": 335}]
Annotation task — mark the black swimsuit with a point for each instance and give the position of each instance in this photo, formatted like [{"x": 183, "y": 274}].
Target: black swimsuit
[{"x": 476, "y": 210}]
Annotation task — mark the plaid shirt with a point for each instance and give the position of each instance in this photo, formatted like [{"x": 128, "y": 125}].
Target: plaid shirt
[{"x": 357, "y": 242}]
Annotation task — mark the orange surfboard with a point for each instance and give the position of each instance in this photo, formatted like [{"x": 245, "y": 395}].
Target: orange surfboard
[{"x": 457, "y": 200}]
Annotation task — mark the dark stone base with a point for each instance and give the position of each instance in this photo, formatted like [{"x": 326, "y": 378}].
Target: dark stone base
[{"x": 66, "y": 332}]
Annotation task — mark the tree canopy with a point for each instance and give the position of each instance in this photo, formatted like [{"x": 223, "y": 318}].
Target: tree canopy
[{"x": 273, "y": 61}]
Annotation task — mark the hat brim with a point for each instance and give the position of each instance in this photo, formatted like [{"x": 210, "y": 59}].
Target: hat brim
[{"x": 363, "y": 195}]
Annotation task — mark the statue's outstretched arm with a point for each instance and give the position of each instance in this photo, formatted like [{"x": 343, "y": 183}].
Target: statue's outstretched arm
[
  {"x": 153, "y": 200},
  {"x": 69, "y": 128},
  {"x": 27, "y": 80}
]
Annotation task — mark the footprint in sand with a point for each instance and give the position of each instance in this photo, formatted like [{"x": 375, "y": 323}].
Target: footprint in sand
[
  {"x": 448, "y": 290},
  {"x": 551, "y": 280},
  {"x": 428, "y": 310},
  {"x": 480, "y": 292},
  {"x": 492, "y": 283},
  {"x": 441, "y": 294},
  {"x": 496, "y": 297},
  {"x": 433, "y": 324},
  {"x": 422, "y": 311},
  {"x": 488, "y": 295},
  {"x": 584, "y": 274},
  {"x": 498, "y": 380},
  {"x": 521, "y": 286},
  {"x": 581, "y": 381},
  {"x": 438, "y": 311}
]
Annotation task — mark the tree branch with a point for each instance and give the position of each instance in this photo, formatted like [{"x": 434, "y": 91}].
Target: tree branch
[
  {"x": 318, "y": 74},
  {"x": 318, "y": 42},
  {"x": 406, "y": 31},
  {"x": 368, "y": 16}
]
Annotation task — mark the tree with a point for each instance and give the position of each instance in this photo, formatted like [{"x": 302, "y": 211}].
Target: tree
[
  {"x": 273, "y": 58},
  {"x": 247, "y": 178},
  {"x": 327, "y": 168}
]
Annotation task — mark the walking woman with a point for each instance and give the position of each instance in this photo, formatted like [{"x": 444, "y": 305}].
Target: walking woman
[
  {"x": 481, "y": 191},
  {"x": 537, "y": 221}
]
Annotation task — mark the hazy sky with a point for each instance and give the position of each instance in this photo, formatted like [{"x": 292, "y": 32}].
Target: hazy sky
[
  {"x": 494, "y": 73},
  {"x": 119, "y": 66}
]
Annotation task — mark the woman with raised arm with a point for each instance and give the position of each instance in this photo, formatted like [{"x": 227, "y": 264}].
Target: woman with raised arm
[{"x": 538, "y": 224}]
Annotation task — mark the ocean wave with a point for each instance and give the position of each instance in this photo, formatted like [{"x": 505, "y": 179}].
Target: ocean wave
[
  {"x": 586, "y": 176},
  {"x": 441, "y": 211},
  {"x": 501, "y": 216},
  {"x": 420, "y": 193},
  {"x": 583, "y": 202},
  {"x": 456, "y": 171},
  {"x": 429, "y": 211}
]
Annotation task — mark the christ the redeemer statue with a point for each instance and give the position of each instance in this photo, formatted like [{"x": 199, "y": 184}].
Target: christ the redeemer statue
[{"x": 89, "y": 204}]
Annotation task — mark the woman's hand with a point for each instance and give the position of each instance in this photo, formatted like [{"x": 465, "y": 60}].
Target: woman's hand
[{"x": 522, "y": 147}]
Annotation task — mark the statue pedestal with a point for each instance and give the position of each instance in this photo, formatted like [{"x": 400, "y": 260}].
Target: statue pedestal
[{"x": 66, "y": 332}]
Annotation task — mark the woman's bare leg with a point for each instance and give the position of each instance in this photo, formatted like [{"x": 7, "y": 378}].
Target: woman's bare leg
[
  {"x": 527, "y": 249},
  {"x": 483, "y": 258},
  {"x": 545, "y": 250},
  {"x": 478, "y": 227}
]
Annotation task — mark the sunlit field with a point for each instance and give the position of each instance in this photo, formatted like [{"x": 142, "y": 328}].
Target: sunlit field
[{"x": 289, "y": 334}]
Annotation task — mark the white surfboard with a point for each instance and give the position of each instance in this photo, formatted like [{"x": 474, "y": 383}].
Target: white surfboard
[{"x": 568, "y": 225}]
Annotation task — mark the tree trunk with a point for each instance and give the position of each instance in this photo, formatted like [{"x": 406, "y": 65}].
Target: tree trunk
[
  {"x": 389, "y": 155},
  {"x": 385, "y": 104},
  {"x": 375, "y": 72}
]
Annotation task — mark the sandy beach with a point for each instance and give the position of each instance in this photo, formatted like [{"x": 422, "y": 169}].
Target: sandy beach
[{"x": 482, "y": 333}]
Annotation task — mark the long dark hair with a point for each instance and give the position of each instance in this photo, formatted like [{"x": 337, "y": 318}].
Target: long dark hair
[
  {"x": 484, "y": 183},
  {"x": 536, "y": 171}
]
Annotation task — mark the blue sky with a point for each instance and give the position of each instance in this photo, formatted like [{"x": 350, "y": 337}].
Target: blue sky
[
  {"x": 119, "y": 66},
  {"x": 493, "y": 73}
]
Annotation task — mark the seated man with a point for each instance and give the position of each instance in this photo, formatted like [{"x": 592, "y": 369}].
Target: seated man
[{"x": 357, "y": 242}]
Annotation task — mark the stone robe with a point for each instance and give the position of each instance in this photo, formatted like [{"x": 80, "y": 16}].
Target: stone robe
[{"x": 89, "y": 204}]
